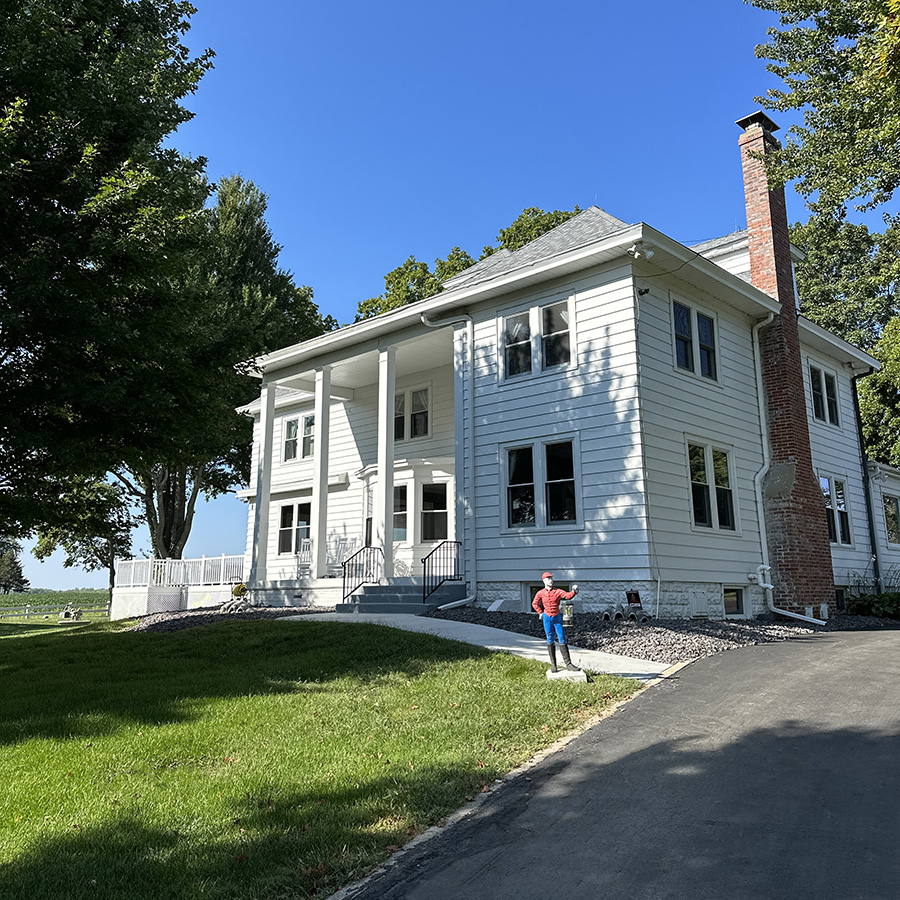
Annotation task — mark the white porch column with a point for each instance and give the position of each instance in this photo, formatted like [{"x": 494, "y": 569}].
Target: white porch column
[
  {"x": 260, "y": 549},
  {"x": 383, "y": 514},
  {"x": 319, "y": 505}
]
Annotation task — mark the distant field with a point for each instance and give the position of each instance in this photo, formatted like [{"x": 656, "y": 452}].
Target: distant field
[{"x": 52, "y": 598}]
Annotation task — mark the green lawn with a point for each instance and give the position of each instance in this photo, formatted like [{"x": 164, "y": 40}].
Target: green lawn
[{"x": 249, "y": 759}]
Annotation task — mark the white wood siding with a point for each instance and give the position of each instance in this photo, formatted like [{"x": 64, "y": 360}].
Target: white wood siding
[
  {"x": 596, "y": 400},
  {"x": 723, "y": 413},
  {"x": 835, "y": 452}
]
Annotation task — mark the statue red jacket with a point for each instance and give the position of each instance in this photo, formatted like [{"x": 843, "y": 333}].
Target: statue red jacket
[{"x": 547, "y": 600}]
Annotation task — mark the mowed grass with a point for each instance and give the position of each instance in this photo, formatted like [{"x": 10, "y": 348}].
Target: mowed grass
[{"x": 264, "y": 759}]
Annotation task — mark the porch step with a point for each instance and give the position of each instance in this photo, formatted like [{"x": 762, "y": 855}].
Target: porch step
[{"x": 400, "y": 598}]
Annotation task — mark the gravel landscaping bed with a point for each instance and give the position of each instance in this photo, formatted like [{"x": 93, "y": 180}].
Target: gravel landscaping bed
[
  {"x": 663, "y": 640},
  {"x": 189, "y": 618}
]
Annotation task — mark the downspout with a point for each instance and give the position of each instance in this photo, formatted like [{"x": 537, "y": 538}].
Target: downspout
[
  {"x": 761, "y": 576},
  {"x": 470, "y": 448},
  {"x": 867, "y": 483}
]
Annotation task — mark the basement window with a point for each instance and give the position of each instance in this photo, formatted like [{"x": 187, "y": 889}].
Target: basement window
[{"x": 734, "y": 601}]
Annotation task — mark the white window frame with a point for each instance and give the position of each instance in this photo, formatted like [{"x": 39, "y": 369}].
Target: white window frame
[
  {"x": 421, "y": 512},
  {"x": 534, "y": 310},
  {"x": 708, "y": 448},
  {"x": 409, "y": 499},
  {"x": 833, "y": 479},
  {"x": 407, "y": 394},
  {"x": 824, "y": 373},
  {"x": 885, "y": 499},
  {"x": 539, "y": 465},
  {"x": 307, "y": 436},
  {"x": 695, "y": 370},
  {"x": 293, "y": 528}
]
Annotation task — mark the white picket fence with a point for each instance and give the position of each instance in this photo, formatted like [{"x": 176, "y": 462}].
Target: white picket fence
[
  {"x": 208, "y": 570},
  {"x": 39, "y": 611}
]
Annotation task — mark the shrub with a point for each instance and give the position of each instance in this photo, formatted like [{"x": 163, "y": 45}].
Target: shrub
[{"x": 885, "y": 606}]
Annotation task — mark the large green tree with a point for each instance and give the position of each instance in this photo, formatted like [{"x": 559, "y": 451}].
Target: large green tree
[
  {"x": 838, "y": 61},
  {"x": 414, "y": 280},
  {"x": 99, "y": 219},
  {"x": 93, "y": 525},
  {"x": 242, "y": 305}
]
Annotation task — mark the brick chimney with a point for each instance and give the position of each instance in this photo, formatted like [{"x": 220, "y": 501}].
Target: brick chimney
[{"x": 794, "y": 508}]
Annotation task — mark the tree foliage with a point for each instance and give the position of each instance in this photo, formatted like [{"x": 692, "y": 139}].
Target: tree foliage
[
  {"x": 415, "y": 281},
  {"x": 12, "y": 579},
  {"x": 848, "y": 281},
  {"x": 838, "y": 60},
  {"x": 93, "y": 525},
  {"x": 98, "y": 219},
  {"x": 240, "y": 305}
]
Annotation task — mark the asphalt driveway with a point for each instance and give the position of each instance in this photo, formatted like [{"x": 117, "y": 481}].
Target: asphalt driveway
[{"x": 769, "y": 772}]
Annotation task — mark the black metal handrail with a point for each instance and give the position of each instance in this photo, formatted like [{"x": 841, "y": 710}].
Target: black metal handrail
[
  {"x": 441, "y": 565},
  {"x": 364, "y": 567}
]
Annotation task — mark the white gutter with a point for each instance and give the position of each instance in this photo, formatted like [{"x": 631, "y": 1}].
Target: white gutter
[
  {"x": 470, "y": 448},
  {"x": 761, "y": 576}
]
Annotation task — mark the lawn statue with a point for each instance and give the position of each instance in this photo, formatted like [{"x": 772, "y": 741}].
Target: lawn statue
[
  {"x": 70, "y": 612},
  {"x": 546, "y": 604}
]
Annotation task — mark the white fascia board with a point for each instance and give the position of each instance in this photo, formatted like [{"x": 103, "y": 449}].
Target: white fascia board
[
  {"x": 751, "y": 300},
  {"x": 446, "y": 302},
  {"x": 821, "y": 339}
]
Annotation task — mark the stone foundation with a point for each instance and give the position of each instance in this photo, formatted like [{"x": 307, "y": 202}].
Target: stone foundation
[{"x": 677, "y": 600}]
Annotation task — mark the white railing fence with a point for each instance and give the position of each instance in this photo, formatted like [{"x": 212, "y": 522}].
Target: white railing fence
[{"x": 209, "y": 570}]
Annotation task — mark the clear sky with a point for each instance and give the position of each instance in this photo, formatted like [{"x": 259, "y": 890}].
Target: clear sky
[{"x": 381, "y": 130}]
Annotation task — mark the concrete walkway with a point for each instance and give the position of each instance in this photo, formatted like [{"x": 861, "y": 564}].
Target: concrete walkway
[{"x": 497, "y": 639}]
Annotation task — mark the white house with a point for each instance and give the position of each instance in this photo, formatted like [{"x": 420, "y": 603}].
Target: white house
[{"x": 605, "y": 403}]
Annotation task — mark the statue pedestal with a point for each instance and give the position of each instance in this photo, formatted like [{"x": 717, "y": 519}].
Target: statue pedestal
[{"x": 566, "y": 675}]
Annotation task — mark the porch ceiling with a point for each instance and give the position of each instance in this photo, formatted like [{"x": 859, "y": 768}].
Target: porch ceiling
[{"x": 419, "y": 354}]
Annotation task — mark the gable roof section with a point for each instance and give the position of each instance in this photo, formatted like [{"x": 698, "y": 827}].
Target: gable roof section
[{"x": 588, "y": 226}]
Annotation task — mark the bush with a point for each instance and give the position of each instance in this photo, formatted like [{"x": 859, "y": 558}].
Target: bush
[{"x": 885, "y": 606}]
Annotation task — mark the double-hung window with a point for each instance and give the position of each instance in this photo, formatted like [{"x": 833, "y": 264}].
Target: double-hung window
[
  {"x": 695, "y": 341},
  {"x": 836, "y": 513},
  {"x": 537, "y": 339},
  {"x": 712, "y": 490},
  {"x": 824, "y": 395},
  {"x": 399, "y": 512},
  {"x": 294, "y": 441},
  {"x": 541, "y": 484},
  {"x": 434, "y": 512},
  {"x": 293, "y": 527},
  {"x": 412, "y": 414},
  {"x": 892, "y": 518}
]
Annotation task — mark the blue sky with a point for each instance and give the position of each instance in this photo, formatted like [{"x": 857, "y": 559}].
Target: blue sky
[{"x": 384, "y": 130}]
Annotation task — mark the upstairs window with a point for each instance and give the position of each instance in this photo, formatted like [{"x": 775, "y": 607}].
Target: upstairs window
[
  {"x": 824, "y": 395},
  {"x": 537, "y": 340},
  {"x": 412, "y": 414},
  {"x": 836, "y": 513},
  {"x": 712, "y": 495},
  {"x": 290, "y": 439},
  {"x": 695, "y": 341},
  {"x": 294, "y": 441},
  {"x": 308, "y": 435}
]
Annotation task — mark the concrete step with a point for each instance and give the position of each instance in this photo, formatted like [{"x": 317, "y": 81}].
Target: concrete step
[{"x": 385, "y": 608}]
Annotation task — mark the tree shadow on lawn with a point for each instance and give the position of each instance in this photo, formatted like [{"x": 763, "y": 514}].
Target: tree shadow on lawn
[
  {"x": 269, "y": 844},
  {"x": 88, "y": 683}
]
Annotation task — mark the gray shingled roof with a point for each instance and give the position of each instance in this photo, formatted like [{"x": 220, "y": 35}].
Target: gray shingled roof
[
  {"x": 719, "y": 241},
  {"x": 588, "y": 226}
]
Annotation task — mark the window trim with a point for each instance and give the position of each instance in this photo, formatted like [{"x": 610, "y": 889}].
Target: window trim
[
  {"x": 300, "y": 438},
  {"x": 833, "y": 479},
  {"x": 696, "y": 356},
  {"x": 884, "y": 502},
  {"x": 293, "y": 528},
  {"x": 709, "y": 447},
  {"x": 407, "y": 394},
  {"x": 537, "y": 446},
  {"x": 534, "y": 308},
  {"x": 421, "y": 512},
  {"x": 824, "y": 374}
]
